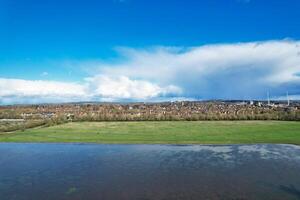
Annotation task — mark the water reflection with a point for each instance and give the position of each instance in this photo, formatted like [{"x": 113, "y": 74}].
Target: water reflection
[{"x": 90, "y": 171}]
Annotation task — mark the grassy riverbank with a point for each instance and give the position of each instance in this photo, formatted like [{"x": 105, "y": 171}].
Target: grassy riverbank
[{"x": 178, "y": 132}]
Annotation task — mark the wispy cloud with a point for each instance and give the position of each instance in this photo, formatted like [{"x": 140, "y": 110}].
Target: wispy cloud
[
  {"x": 44, "y": 74},
  {"x": 228, "y": 71}
]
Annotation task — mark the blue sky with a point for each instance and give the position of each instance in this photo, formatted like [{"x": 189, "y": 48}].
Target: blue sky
[{"x": 114, "y": 49}]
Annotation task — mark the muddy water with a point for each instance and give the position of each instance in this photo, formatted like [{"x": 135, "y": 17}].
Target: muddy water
[{"x": 91, "y": 171}]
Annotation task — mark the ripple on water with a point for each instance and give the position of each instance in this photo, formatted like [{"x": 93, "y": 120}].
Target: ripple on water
[{"x": 90, "y": 171}]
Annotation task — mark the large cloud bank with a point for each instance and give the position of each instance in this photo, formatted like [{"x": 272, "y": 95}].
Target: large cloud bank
[
  {"x": 222, "y": 71},
  {"x": 97, "y": 88}
]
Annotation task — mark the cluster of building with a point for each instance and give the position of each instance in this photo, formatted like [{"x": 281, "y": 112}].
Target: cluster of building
[{"x": 179, "y": 110}]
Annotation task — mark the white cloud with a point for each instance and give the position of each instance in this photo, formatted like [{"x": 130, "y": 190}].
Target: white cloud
[
  {"x": 100, "y": 87},
  {"x": 121, "y": 87},
  {"x": 19, "y": 87},
  {"x": 241, "y": 70},
  {"x": 229, "y": 71}
]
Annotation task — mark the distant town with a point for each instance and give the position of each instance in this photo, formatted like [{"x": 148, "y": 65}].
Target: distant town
[{"x": 17, "y": 116}]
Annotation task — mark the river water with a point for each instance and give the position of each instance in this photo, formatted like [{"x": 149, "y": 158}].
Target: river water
[{"x": 104, "y": 172}]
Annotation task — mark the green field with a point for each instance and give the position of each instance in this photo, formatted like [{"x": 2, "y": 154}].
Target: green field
[{"x": 173, "y": 132}]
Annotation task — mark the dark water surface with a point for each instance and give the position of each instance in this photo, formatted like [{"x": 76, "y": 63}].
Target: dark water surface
[{"x": 91, "y": 171}]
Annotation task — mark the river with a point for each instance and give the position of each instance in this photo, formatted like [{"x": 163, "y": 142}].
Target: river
[{"x": 30, "y": 171}]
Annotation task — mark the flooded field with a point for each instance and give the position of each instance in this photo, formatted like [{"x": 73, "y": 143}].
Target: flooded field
[{"x": 93, "y": 171}]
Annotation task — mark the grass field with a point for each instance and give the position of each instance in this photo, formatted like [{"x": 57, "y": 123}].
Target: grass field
[{"x": 175, "y": 132}]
